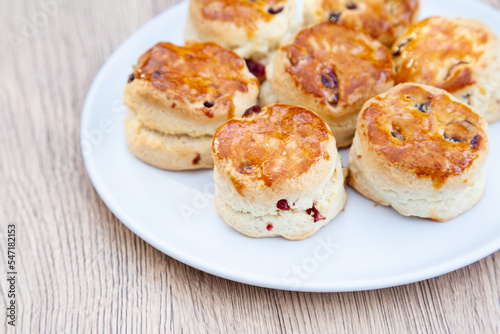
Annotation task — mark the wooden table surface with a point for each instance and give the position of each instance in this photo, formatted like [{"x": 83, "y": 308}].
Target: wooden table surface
[{"x": 81, "y": 270}]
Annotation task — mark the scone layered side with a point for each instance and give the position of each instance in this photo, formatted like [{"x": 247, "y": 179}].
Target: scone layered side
[
  {"x": 329, "y": 199},
  {"x": 166, "y": 151},
  {"x": 409, "y": 196},
  {"x": 436, "y": 183}
]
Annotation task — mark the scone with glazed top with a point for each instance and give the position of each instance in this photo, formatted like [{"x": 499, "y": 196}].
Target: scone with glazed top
[
  {"x": 384, "y": 20},
  {"x": 277, "y": 173},
  {"x": 252, "y": 29},
  {"x": 458, "y": 55},
  {"x": 420, "y": 150},
  {"x": 333, "y": 71},
  {"x": 178, "y": 96}
]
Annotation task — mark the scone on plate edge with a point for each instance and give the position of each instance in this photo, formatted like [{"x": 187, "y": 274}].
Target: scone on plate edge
[
  {"x": 420, "y": 150},
  {"x": 277, "y": 173},
  {"x": 178, "y": 97},
  {"x": 253, "y": 29},
  {"x": 332, "y": 70},
  {"x": 383, "y": 20},
  {"x": 459, "y": 55}
]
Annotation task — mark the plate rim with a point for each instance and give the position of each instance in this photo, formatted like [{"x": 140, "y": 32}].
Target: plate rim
[{"x": 245, "y": 277}]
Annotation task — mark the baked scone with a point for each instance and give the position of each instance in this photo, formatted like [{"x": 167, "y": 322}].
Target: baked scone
[
  {"x": 458, "y": 55},
  {"x": 277, "y": 173},
  {"x": 332, "y": 70},
  {"x": 251, "y": 28},
  {"x": 420, "y": 150},
  {"x": 384, "y": 20},
  {"x": 178, "y": 96}
]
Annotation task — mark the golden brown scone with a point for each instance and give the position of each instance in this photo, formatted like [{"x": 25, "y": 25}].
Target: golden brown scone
[
  {"x": 277, "y": 173},
  {"x": 182, "y": 95},
  {"x": 458, "y": 55},
  {"x": 384, "y": 20},
  {"x": 420, "y": 150},
  {"x": 253, "y": 29},
  {"x": 331, "y": 70}
]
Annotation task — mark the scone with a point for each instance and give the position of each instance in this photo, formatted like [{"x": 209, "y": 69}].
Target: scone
[
  {"x": 277, "y": 173},
  {"x": 178, "y": 97},
  {"x": 253, "y": 29},
  {"x": 420, "y": 150},
  {"x": 384, "y": 20},
  {"x": 458, "y": 55},
  {"x": 332, "y": 70}
]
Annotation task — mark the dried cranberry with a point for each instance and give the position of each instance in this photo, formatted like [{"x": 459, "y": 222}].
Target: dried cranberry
[
  {"x": 334, "y": 100},
  {"x": 330, "y": 81},
  {"x": 131, "y": 78},
  {"x": 246, "y": 168},
  {"x": 209, "y": 104},
  {"x": 283, "y": 205},
  {"x": 424, "y": 107},
  {"x": 313, "y": 212},
  {"x": 252, "y": 110},
  {"x": 256, "y": 68},
  {"x": 351, "y": 5},
  {"x": 396, "y": 133},
  {"x": 461, "y": 62},
  {"x": 275, "y": 11},
  {"x": 474, "y": 143},
  {"x": 397, "y": 49},
  {"x": 453, "y": 139},
  {"x": 197, "y": 159},
  {"x": 334, "y": 17},
  {"x": 269, "y": 227}
]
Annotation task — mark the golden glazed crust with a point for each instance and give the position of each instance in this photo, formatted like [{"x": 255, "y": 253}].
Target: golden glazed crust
[
  {"x": 203, "y": 75},
  {"x": 243, "y": 13},
  {"x": 333, "y": 71},
  {"x": 383, "y": 20},
  {"x": 334, "y": 74},
  {"x": 441, "y": 52},
  {"x": 279, "y": 143},
  {"x": 425, "y": 131}
]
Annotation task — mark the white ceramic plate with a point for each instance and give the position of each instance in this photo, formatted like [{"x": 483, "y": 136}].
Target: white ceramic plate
[{"x": 365, "y": 247}]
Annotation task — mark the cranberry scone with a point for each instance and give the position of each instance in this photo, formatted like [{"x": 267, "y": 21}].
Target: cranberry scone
[
  {"x": 277, "y": 173},
  {"x": 177, "y": 98},
  {"x": 420, "y": 150}
]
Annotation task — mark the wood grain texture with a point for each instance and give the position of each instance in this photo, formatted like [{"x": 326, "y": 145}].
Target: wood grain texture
[{"x": 81, "y": 270}]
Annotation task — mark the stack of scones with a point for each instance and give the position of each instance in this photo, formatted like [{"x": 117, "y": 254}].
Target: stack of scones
[{"x": 267, "y": 100}]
